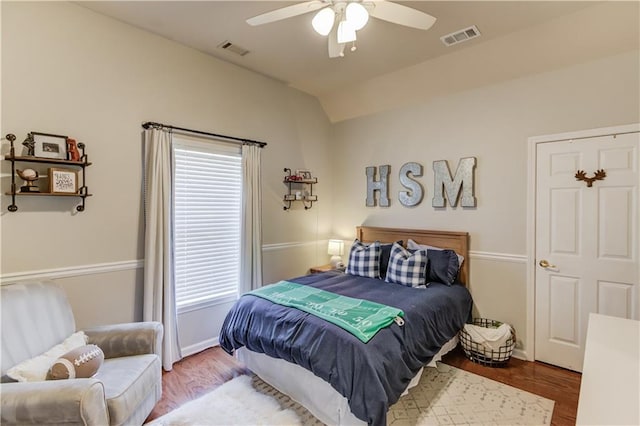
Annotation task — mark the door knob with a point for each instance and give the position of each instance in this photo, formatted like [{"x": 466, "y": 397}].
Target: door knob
[{"x": 545, "y": 264}]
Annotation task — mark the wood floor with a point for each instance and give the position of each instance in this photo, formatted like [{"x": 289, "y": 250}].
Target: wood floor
[
  {"x": 203, "y": 372},
  {"x": 558, "y": 384}
]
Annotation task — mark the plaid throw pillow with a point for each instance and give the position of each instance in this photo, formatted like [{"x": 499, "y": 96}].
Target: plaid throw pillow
[
  {"x": 364, "y": 260},
  {"x": 407, "y": 268}
]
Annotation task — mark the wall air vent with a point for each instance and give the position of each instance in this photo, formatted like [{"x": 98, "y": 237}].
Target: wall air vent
[
  {"x": 230, "y": 47},
  {"x": 460, "y": 36}
]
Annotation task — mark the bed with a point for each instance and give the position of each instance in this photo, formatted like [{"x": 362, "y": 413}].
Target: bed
[{"x": 337, "y": 377}]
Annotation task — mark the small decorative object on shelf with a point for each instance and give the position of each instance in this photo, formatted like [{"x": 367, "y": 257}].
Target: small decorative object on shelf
[
  {"x": 63, "y": 181},
  {"x": 29, "y": 176},
  {"x": 55, "y": 150},
  {"x": 72, "y": 150},
  {"x": 49, "y": 146},
  {"x": 304, "y": 174},
  {"x": 300, "y": 188},
  {"x": 30, "y": 144}
]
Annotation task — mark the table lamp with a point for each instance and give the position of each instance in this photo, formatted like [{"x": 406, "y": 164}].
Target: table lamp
[{"x": 336, "y": 249}]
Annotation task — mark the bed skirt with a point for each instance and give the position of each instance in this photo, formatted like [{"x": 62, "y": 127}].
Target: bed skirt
[{"x": 309, "y": 390}]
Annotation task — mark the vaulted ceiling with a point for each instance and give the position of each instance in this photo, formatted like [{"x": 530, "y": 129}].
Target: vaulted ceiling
[{"x": 290, "y": 51}]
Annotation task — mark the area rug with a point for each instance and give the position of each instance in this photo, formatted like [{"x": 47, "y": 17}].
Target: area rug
[
  {"x": 234, "y": 403},
  {"x": 445, "y": 396},
  {"x": 448, "y": 396}
]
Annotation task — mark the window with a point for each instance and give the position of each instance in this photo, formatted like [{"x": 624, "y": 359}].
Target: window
[{"x": 207, "y": 214}]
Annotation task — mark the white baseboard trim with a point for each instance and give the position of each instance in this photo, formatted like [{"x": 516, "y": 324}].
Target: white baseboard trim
[
  {"x": 500, "y": 257},
  {"x": 520, "y": 354},
  {"x": 72, "y": 271},
  {"x": 199, "y": 347}
]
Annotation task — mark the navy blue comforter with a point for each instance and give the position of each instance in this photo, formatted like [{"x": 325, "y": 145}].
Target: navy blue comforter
[{"x": 372, "y": 375}]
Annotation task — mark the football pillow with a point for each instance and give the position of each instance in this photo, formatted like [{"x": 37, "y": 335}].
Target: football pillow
[{"x": 78, "y": 363}]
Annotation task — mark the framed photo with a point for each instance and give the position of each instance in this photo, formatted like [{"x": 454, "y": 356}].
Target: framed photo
[
  {"x": 304, "y": 174},
  {"x": 49, "y": 146},
  {"x": 63, "y": 181}
]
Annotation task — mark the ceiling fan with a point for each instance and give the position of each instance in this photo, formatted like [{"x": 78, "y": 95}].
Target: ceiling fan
[{"x": 340, "y": 19}]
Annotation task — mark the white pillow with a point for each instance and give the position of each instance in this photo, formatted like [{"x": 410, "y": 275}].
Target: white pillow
[
  {"x": 35, "y": 369},
  {"x": 412, "y": 245}
]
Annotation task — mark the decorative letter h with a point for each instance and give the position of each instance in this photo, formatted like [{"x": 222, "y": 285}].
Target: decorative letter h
[{"x": 382, "y": 185}]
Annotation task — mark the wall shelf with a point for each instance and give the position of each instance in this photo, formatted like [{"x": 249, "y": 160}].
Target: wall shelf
[
  {"x": 46, "y": 194},
  {"x": 82, "y": 193},
  {"x": 299, "y": 190},
  {"x": 32, "y": 159}
]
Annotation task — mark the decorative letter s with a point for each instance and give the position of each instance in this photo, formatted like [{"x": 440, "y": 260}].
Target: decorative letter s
[
  {"x": 413, "y": 197},
  {"x": 463, "y": 180},
  {"x": 382, "y": 185}
]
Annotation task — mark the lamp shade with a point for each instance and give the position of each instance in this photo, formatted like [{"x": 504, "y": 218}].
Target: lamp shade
[
  {"x": 323, "y": 21},
  {"x": 346, "y": 32},
  {"x": 336, "y": 247},
  {"x": 357, "y": 15}
]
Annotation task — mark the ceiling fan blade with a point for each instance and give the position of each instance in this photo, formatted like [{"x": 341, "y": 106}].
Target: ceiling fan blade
[
  {"x": 399, "y": 14},
  {"x": 286, "y": 12},
  {"x": 336, "y": 50}
]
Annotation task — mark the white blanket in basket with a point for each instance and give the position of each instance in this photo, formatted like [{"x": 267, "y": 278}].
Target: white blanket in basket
[{"x": 490, "y": 338}]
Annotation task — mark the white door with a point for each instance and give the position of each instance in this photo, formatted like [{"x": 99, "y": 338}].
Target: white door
[{"x": 586, "y": 241}]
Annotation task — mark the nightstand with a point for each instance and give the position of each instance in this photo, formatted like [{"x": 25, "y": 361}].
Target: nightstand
[{"x": 319, "y": 269}]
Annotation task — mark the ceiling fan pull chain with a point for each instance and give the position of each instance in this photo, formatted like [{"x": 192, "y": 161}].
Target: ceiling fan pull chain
[{"x": 353, "y": 46}]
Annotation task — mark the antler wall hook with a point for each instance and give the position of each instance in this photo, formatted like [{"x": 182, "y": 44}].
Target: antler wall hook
[{"x": 599, "y": 175}]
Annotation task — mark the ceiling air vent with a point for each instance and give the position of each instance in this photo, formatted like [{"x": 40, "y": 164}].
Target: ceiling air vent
[
  {"x": 230, "y": 47},
  {"x": 460, "y": 36}
]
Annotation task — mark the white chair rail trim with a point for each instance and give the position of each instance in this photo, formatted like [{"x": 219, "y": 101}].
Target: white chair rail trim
[
  {"x": 500, "y": 257},
  {"x": 72, "y": 271},
  {"x": 293, "y": 244},
  {"x": 102, "y": 268}
]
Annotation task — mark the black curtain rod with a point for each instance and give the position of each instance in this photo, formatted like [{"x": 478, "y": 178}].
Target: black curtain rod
[{"x": 149, "y": 124}]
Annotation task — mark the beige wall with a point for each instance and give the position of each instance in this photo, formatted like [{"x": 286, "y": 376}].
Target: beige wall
[
  {"x": 67, "y": 70},
  {"x": 491, "y": 123},
  {"x": 597, "y": 30},
  {"x": 78, "y": 73}
]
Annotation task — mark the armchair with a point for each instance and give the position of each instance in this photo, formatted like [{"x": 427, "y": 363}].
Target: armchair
[{"x": 35, "y": 317}]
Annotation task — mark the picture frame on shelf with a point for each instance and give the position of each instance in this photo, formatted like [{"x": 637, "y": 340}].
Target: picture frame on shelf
[
  {"x": 49, "y": 146},
  {"x": 304, "y": 174},
  {"x": 63, "y": 181}
]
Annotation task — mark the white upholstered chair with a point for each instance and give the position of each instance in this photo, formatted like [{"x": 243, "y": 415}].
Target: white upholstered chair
[{"x": 37, "y": 316}]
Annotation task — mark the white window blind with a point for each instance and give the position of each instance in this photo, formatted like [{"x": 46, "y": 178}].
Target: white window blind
[{"x": 207, "y": 210}]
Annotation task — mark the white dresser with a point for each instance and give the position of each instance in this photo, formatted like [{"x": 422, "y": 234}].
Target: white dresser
[{"x": 610, "y": 388}]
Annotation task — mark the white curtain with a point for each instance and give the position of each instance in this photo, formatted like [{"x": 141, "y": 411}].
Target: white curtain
[
  {"x": 159, "y": 283},
  {"x": 251, "y": 248}
]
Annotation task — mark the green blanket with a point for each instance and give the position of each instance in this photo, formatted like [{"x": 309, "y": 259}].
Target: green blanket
[{"x": 361, "y": 318}]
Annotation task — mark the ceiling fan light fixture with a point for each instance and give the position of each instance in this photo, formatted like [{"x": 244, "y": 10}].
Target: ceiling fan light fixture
[
  {"x": 346, "y": 32},
  {"x": 357, "y": 15},
  {"x": 323, "y": 21},
  {"x": 341, "y": 19}
]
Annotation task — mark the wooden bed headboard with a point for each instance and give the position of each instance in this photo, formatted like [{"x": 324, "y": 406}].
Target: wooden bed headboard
[{"x": 456, "y": 241}]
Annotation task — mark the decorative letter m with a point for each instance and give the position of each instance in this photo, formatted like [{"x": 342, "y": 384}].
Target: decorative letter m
[{"x": 462, "y": 181}]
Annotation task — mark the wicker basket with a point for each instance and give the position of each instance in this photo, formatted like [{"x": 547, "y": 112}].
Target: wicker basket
[{"x": 478, "y": 353}]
